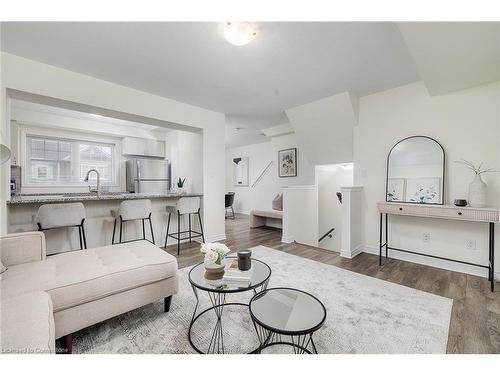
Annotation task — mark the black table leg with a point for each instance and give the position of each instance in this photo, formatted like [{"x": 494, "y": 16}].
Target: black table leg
[
  {"x": 386, "y": 238},
  {"x": 491, "y": 272},
  {"x": 218, "y": 302},
  {"x": 380, "y": 238}
]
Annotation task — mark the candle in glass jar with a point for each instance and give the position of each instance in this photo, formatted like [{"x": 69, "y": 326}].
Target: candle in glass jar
[{"x": 244, "y": 260}]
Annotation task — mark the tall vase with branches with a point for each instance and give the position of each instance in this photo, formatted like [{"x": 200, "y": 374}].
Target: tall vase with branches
[{"x": 477, "y": 188}]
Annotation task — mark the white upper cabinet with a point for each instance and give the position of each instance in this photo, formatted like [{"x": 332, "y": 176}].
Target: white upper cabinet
[{"x": 143, "y": 147}]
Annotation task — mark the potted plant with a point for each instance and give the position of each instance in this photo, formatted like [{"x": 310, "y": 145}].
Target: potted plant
[
  {"x": 215, "y": 258},
  {"x": 180, "y": 185}
]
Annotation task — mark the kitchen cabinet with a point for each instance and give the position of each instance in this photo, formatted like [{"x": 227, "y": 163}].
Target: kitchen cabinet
[{"x": 143, "y": 147}]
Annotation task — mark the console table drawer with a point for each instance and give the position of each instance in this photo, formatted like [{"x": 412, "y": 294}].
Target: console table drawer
[
  {"x": 464, "y": 214},
  {"x": 403, "y": 209}
]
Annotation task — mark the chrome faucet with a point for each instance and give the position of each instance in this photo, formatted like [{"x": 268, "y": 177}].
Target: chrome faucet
[{"x": 98, "y": 187}]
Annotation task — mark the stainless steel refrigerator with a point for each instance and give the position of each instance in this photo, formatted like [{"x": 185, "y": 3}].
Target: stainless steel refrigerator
[{"x": 148, "y": 176}]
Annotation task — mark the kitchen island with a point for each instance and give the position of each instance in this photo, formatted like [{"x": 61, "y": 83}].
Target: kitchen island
[{"x": 99, "y": 222}]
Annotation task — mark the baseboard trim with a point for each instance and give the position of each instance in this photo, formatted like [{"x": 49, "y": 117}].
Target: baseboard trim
[
  {"x": 351, "y": 253},
  {"x": 438, "y": 263}
]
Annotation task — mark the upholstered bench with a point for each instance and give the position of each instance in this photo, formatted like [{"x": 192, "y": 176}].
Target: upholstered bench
[
  {"x": 87, "y": 286},
  {"x": 258, "y": 218}
]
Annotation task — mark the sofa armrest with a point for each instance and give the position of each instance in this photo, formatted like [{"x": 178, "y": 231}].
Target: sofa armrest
[{"x": 23, "y": 247}]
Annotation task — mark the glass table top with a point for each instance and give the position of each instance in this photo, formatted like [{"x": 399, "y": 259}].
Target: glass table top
[
  {"x": 259, "y": 274},
  {"x": 288, "y": 311}
]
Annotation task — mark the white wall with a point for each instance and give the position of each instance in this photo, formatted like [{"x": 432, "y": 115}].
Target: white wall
[
  {"x": 300, "y": 215},
  {"x": 325, "y": 128},
  {"x": 329, "y": 180},
  {"x": 260, "y": 154},
  {"x": 467, "y": 124},
  {"x": 45, "y": 80},
  {"x": 185, "y": 152}
]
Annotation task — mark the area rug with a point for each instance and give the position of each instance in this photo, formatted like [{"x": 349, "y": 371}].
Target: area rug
[{"x": 364, "y": 315}]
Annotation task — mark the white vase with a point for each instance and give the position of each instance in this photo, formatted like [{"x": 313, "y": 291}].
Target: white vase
[{"x": 477, "y": 192}]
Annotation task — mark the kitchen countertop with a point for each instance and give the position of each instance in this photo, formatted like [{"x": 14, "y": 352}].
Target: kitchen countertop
[{"x": 79, "y": 197}]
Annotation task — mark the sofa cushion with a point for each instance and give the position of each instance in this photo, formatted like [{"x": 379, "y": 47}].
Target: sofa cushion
[
  {"x": 82, "y": 276},
  {"x": 28, "y": 324}
]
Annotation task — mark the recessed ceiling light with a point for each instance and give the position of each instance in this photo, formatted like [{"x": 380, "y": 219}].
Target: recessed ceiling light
[
  {"x": 95, "y": 115},
  {"x": 239, "y": 33}
]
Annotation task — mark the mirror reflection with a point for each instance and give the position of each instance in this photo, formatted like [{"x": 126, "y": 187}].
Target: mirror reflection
[{"x": 415, "y": 171}]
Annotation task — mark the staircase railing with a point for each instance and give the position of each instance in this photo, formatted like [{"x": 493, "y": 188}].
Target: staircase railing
[
  {"x": 262, "y": 173},
  {"x": 327, "y": 234}
]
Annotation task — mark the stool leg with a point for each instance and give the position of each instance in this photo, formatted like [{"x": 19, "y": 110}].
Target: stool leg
[
  {"x": 143, "y": 230},
  {"x": 189, "y": 215},
  {"x": 80, "y": 236},
  {"x": 201, "y": 227},
  {"x": 151, "y": 227},
  {"x": 114, "y": 230},
  {"x": 232, "y": 212},
  {"x": 178, "y": 233},
  {"x": 168, "y": 227},
  {"x": 83, "y": 234},
  {"x": 121, "y": 228}
]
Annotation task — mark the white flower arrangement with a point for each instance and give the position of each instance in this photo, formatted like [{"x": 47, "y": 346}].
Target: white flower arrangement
[{"x": 214, "y": 252}]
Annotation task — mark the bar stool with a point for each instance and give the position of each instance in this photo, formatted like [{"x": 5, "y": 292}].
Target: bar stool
[
  {"x": 62, "y": 215},
  {"x": 137, "y": 209},
  {"x": 228, "y": 203},
  {"x": 184, "y": 206}
]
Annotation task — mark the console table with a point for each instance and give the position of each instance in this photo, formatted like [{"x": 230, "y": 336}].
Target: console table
[{"x": 483, "y": 215}]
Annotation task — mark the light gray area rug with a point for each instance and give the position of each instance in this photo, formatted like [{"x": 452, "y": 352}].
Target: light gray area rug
[{"x": 365, "y": 315}]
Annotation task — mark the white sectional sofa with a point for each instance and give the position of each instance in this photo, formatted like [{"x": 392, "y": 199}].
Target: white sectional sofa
[{"x": 45, "y": 298}]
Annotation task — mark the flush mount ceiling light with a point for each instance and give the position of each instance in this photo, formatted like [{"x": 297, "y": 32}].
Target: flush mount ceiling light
[{"x": 239, "y": 33}]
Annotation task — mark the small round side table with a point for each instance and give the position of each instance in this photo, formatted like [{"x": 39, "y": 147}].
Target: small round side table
[
  {"x": 287, "y": 316},
  {"x": 217, "y": 292}
]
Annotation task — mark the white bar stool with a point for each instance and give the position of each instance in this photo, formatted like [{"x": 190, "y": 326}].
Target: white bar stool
[
  {"x": 184, "y": 206},
  {"x": 137, "y": 209},
  {"x": 62, "y": 215}
]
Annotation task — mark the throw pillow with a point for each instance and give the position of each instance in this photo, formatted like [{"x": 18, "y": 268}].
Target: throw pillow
[{"x": 278, "y": 202}]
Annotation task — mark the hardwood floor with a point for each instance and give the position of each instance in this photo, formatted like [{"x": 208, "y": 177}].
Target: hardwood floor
[{"x": 475, "y": 321}]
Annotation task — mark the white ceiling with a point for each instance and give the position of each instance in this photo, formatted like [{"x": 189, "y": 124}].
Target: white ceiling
[
  {"x": 288, "y": 64},
  {"x": 452, "y": 56}
]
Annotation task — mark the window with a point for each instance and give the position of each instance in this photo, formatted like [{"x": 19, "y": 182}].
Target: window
[
  {"x": 60, "y": 161},
  {"x": 98, "y": 157}
]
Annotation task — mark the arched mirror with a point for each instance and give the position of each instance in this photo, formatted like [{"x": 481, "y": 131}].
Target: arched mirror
[{"x": 415, "y": 171}]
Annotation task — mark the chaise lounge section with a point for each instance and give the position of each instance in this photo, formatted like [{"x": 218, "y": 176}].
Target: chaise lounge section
[{"x": 79, "y": 288}]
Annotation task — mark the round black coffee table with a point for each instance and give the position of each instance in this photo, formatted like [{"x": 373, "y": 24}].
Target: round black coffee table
[
  {"x": 286, "y": 316},
  {"x": 217, "y": 291}
]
